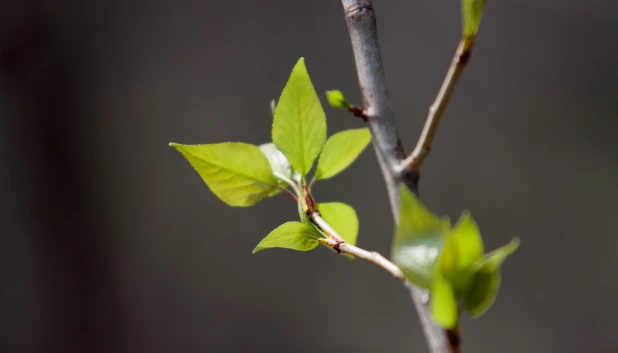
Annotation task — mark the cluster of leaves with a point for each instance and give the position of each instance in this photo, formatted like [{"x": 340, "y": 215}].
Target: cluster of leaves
[
  {"x": 242, "y": 174},
  {"x": 449, "y": 261}
]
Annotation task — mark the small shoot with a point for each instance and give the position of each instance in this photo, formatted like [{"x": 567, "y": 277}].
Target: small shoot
[
  {"x": 337, "y": 100},
  {"x": 447, "y": 260}
]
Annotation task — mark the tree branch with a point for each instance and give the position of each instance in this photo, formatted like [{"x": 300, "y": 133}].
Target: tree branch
[
  {"x": 361, "y": 22},
  {"x": 421, "y": 151},
  {"x": 360, "y": 19}
]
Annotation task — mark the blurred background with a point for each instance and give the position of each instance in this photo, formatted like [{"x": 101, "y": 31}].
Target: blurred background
[{"x": 110, "y": 242}]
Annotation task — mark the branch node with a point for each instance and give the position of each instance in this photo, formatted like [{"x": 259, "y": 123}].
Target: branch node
[
  {"x": 359, "y": 10},
  {"x": 464, "y": 56},
  {"x": 359, "y": 113},
  {"x": 454, "y": 339},
  {"x": 337, "y": 246}
]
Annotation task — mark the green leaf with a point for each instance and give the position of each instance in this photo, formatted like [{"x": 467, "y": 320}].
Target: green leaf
[
  {"x": 443, "y": 304},
  {"x": 483, "y": 292},
  {"x": 340, "y": 151},
  {"x": 299, "y": 126},
  {"x": 238, "y": 173},
  {"x": 462, "y": 248},
  {"x": 471, "y": 13},
  {"x": 342, "y": 218},
  {"x": 337, "y": 100},
  {"x": 418, "y": 241},
  {"x": 279, "y": 164},
  {"x": 486, "y": 283},
  {"x": 290, "y": 235},
  {"x": 494, "y": 259}
]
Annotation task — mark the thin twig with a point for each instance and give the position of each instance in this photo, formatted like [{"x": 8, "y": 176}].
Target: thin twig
[
  {"x": 336, "y": 241},
  {"x": 361, "y": 22},
  {"x": 423, "y": 146}
]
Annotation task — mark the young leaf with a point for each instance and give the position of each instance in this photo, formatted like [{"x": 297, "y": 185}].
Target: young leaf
[
  {"x": 418, "y": 241},
  {"x": 280, "y": 166},
  {"x": 299, "y": 126},
  {"x": 483, "y": 292},
  {"x": 471, "y": 13},
  {"x": 443, "y": 304},
  {"x": 469, "y": 243},
  {"x": 238, "y": 173},
  {"x": 462, "y": 248},
  {"x": 340, "y": 151},
  {"x": 290, "y": 235},
  {"x": 494, "y": 259},
  {"x": 487, "y": 280},
  {"x": 342, "y": 218},
  {"x": 337, "y": 100}
]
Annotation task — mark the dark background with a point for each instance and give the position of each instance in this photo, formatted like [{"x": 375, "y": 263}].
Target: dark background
[{"x": 109, "y": 242}]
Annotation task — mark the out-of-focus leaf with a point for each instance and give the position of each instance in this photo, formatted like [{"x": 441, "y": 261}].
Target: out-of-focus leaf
[{"x": 418, "y": 240}]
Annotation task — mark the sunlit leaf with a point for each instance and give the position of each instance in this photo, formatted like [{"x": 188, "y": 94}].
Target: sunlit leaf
[
  {"x": 418, "y": 240},
  {"x": 290, "y": 235},
  {"x": 443, "y": 304},
  {"x": 462, "y": 248},
  {"x": 342, "y": 218},
  {"x": 238, "y": 173},
  {"x": 340, "y": 151},
  {"x": 299, "y": 126}
]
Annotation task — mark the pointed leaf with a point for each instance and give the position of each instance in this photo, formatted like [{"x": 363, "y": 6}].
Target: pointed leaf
[
  {"x": 340, "y": 151},
  {"x": 299, "y": 126},
  {"x": 487, "y": 280},
  {"x": 494, "y": 259},
  {"x": 469, "y": 243},
  {"x": 443, "y": 304},
  {"x": 471, "y": 13},
  {"x": 342, "y": 218},
  {"x": 418, "y": 240},
  {"x": 238, "y": 173},
  {"x": 290, "y": 235},
  {"x": 462, "y": 248}
]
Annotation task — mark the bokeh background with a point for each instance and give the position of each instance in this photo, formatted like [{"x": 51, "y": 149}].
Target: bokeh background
[{"x": 109, "y": 242}]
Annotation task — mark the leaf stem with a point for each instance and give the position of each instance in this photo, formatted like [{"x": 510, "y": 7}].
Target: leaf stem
[
  {"x": 294, "y": 197},
  {"x": 436, "y": 110},
  {"x": 290, "y": 182}
]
